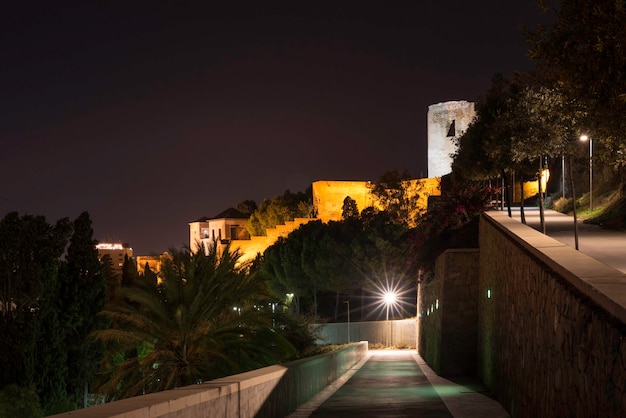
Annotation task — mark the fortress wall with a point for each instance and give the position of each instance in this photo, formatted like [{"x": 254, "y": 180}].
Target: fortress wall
[
  {"x": 328, "y": 197},
  {"x": 249, "y": 248}
]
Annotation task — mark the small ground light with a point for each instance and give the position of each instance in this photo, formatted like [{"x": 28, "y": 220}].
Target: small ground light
[{"x": 488, "y": 293}]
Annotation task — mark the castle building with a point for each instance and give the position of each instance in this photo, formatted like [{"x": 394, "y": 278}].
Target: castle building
[
  {"x": 228, "y": 227},
  {"x": 446, "y": 122}
]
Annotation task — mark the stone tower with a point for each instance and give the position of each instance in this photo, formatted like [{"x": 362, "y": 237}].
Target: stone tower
[{"x": 446, "y": 122}]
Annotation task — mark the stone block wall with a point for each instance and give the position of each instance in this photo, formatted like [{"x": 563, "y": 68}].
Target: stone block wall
[
  {"x": 551, "y": 325},
  {"x": 448, "y": 314}
]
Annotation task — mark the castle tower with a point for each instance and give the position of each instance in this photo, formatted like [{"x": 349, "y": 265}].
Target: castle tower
[{"x": 446, "y": 122}]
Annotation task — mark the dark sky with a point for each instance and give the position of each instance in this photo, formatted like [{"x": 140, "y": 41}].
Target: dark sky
[{"x": 152, "y": 114}]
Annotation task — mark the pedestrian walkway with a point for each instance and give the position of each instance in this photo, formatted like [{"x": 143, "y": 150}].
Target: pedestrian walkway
[
  {"x": 604, "y": 245},
  {"x": 398, "y": 383}
]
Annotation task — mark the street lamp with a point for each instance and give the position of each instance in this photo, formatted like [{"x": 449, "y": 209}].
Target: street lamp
[
  {"x": 348, "y": 303},
  {"x": 585, "y": 138},
  {"x": 389, "y": 298}
]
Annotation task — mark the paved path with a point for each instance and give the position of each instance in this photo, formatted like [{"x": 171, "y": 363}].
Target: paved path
[
  {"x": 398, "y": 383},
  {"x": 606, "y": 246}
]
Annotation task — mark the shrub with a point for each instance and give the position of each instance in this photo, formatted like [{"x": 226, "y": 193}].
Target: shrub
[
  {"x": 450, "y": 223},
  {"x": 563, "y": 205},
  {"x": 17, "y": 401}
]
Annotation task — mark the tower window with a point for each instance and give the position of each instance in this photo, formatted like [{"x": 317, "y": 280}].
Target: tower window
[{"x": 452, "y": 129}]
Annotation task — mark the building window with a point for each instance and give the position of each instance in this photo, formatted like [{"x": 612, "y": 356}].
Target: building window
[{"x": 452, "y": 129}]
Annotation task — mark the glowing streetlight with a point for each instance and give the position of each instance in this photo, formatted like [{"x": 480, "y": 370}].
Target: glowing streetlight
[
  {"x": 585, "y": 138},
  {"x": 389, "y": 298}
]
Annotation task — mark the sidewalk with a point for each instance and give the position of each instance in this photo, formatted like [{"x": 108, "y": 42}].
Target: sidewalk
[
  {"x": 604, "y": 245},
  {"x": 398, "y": 383}
]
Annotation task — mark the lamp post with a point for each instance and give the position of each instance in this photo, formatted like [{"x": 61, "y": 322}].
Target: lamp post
[
  {"x": 563, "y": 175},
  {"x": 389, "y": 298},
  {"x": 348, "y": 303},
  {"x": 585, "y": 138}
]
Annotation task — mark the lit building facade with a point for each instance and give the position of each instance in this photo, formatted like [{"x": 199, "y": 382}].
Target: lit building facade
[
  {"x": 117, "y": 251},
  {"x": 223, "y": 228}
]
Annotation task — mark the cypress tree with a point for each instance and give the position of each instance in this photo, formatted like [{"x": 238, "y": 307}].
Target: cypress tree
[{"x": 82, "y": 294}]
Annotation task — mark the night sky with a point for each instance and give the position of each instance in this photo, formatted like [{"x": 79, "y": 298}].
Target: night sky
[{"x": 152, "y": 114}]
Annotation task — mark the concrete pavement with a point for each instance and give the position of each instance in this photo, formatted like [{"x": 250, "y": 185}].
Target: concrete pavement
[
  {"x": 606, "y": 246},
  {"x": 398, "y": 383}
]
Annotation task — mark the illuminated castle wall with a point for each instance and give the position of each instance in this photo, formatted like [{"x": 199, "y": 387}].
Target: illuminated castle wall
[
  {"x": 328, "y": 197},
  {"x": 446, "y": 121}
]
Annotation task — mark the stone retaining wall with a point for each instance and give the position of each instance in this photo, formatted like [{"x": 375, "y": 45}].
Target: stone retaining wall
[
  {"x": 449, "y": 314},
  {"x": 551, "y": 325},
  {"x": 270, "y": 392}
]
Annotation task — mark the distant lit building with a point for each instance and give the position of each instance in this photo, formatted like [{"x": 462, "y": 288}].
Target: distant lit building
[
  {"x": 117, "y": 251},
  {"x": 223, "y": 228},
  {"x": 152, "y": 262}
]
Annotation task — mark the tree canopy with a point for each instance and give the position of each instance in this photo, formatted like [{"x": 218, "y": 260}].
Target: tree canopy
[
  {"x": 207, "y": 318},
  {"x": 49, "y": 306},
  {"x": 364, "y": 252},
  {"x": 583, "y": 56},
  {"x": 278, "y": 210},
  {"x": 398, "y": 195}
]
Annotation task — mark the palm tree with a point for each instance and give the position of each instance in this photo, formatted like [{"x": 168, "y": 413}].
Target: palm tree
[{"x": 208, "y": 317}]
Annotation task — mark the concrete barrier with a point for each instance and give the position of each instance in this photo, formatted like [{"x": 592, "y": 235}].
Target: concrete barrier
[
  {"x": 399, "y": 333},
  {"x": 273, "y": 391}
]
